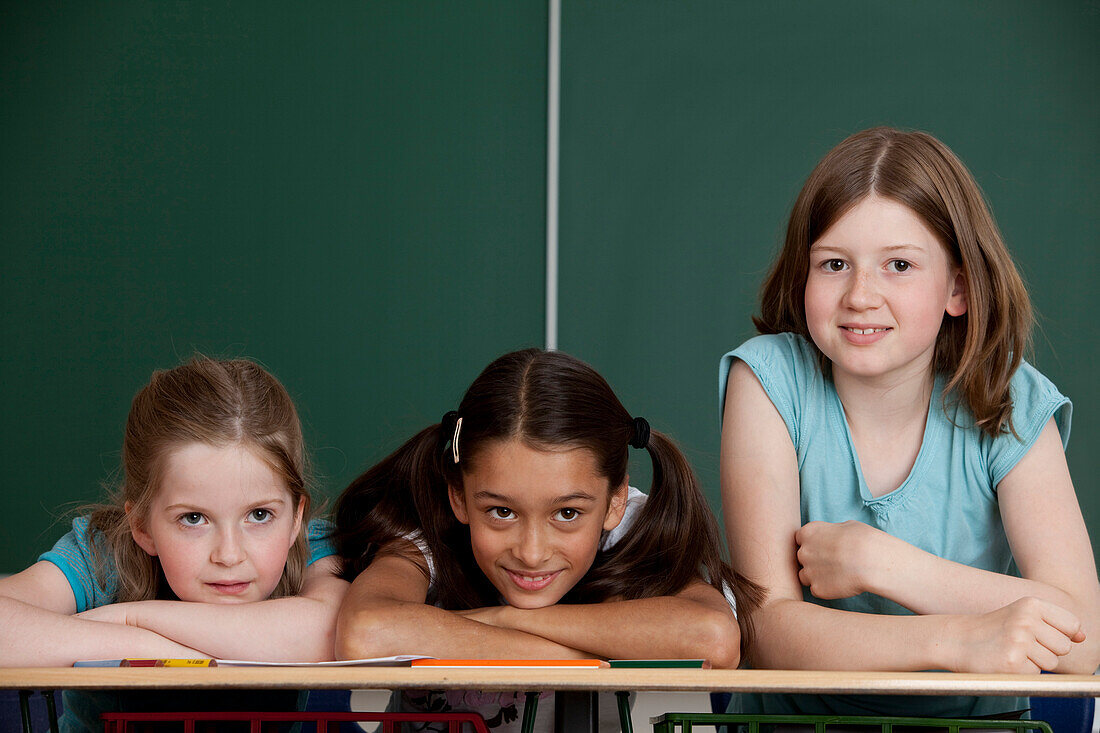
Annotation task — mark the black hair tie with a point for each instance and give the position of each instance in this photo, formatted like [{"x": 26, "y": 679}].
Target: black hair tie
[
  {"x": 447, "y": 428},
  {"x": 641, "y": 433}
]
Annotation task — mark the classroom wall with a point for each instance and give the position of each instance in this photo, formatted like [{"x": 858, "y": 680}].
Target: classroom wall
[
  {"x": 350, "y": 193},
  {"x": 354, "y": 195},
  {"x": 689, "y": 128}
]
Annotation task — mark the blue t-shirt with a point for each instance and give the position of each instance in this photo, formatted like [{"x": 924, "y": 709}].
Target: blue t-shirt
[
  {"x": 72, "y": 554},
  {"x": 946, "y": 506}
]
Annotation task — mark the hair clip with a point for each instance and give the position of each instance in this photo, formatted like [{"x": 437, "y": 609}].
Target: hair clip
[{"x": 454, "y": 440}]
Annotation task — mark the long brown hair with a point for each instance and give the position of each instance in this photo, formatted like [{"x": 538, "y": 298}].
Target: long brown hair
[
  {"x": 548, "y": 400},
  {"x": 204, "y": 401},
  {"x": 980, "y": 350}
]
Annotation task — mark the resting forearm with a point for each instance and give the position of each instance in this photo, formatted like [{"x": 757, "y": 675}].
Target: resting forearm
[
  {"x": 34, "y": 637},
  {"x": 293, "y": 629},
  {"x": 926, "y": 584},
  {"x": 797, "y": 635},
  {"x": 664, "y": 627},
  {"x": 415, "y": 628}
]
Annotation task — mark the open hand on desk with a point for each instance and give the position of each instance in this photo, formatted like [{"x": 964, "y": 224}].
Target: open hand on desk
[{"x": 1025, "y": 637}]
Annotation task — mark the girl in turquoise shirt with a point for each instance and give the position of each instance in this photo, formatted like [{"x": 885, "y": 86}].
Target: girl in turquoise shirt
[
  {"x": 207, "y": 541},
  {"x": 893, "y": 472}
]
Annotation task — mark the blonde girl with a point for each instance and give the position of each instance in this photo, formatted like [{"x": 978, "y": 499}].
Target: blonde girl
[{"x": 207, "y": 541}]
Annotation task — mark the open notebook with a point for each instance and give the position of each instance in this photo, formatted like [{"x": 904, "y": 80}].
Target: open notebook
[{"x": 403, "y": 660}]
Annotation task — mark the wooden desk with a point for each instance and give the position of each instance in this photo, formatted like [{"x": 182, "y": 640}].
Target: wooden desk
[
  {"x": 583, "y": 680},
  {"x": 691, "y": 680}
]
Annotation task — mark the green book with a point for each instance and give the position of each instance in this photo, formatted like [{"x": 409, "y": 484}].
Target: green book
[{"x": 636, "y": 663}]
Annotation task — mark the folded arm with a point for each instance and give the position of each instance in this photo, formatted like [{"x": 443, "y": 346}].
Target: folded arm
[
  {"x": 37, "y": 628},
  {"x": 705, "y": 627},
  {"x": 293, "y": 629},
  {"x": 1049, "y": 542},
  {"x": 384, "y": 614},
  {"x": 1004, "y": 630}
]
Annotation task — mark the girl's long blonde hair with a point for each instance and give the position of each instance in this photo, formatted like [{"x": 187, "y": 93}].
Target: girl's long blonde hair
[
  {"x": 980, "y": 350},
  {"x": 209, "y": 401}
]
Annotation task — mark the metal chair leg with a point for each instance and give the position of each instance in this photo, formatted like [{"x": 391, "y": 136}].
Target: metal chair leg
[
  {"x": 530, "y": 709},
  {"x": 622, "y": 697},
  {"x": 51, "y": 709},
  {"x": 25, "y": 709}
]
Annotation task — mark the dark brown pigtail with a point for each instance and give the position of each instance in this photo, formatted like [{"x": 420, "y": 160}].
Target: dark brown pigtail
[{"x": 674, "y": 540}]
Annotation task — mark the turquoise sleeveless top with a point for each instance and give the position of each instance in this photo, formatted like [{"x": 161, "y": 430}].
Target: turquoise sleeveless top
[{"x": 946, "y": 506}]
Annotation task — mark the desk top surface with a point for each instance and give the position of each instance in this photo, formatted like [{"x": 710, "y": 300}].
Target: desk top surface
[{"x": 690, "y": 680}]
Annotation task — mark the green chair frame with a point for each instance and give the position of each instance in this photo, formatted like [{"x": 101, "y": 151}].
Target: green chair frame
[{"x": 683, "y": 722}]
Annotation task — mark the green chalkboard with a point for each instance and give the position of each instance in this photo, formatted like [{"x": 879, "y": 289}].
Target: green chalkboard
[
  {"x": 352, "y": 194},
  {"x": 688, "y": 129}
]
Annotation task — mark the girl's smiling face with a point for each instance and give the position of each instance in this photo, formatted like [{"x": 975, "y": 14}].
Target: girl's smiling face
[
  {"x": 221, "y": 524},
  {"x": 535, "y": 518},
  {"x": 879, "y": 284}
]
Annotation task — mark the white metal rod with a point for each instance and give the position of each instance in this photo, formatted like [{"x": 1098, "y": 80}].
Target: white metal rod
[{"x": 553, "y": 106}]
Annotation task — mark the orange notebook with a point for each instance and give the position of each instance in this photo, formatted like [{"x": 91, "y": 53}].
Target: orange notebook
[{"x": 512, "y": 663}]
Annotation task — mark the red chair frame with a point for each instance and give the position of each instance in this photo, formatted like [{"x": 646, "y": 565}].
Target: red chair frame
[{"x": 120, "y": 722}]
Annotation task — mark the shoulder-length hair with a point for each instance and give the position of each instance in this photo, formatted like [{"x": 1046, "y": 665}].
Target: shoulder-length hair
[
  {"x": 980, "y": 350},
  {"x": 548, "y": 400},
  {"x": 209, "y": 401}
]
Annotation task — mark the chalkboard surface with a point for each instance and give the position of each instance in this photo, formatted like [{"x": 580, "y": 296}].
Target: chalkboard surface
[
  {"x": 688, "y": 129},
  {"x": 353, "y": 194}
]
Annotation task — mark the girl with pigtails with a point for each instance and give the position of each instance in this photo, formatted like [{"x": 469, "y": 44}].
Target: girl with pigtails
[{"x": 509, "y": 530}]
